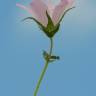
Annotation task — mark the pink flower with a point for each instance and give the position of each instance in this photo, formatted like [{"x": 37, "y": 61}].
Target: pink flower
[{"x": 38, "y": 10}]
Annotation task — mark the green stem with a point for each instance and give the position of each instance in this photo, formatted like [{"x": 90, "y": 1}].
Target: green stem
[{"x": 44, "y": 69}]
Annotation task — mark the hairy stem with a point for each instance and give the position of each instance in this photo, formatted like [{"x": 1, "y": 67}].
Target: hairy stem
[{"x": 44, "y": 69}]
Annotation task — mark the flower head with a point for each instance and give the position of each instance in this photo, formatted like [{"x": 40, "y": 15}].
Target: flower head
[{"x": 48, "y": 16}]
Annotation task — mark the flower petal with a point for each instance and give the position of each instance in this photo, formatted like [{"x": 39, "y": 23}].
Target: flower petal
[
  {"x": 40, "y": 8},
  {"x": 24, "y": 7},
  {"x": 60, "y": 9},
  {"x": 50, "y": 7},
  {"x": 28, "y": 9}
]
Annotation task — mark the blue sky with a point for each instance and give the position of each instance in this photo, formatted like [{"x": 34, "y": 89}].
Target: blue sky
[{"x": 22, "y": 43}]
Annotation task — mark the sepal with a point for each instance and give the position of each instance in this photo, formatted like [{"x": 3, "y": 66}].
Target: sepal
[
  {"x": 50, "y": 30},
  {"x": 65, "y": 14}
]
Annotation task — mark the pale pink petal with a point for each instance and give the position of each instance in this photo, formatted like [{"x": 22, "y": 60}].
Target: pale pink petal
[
  {"x": 24, "y": 7},
  {"x": 28, "y": 9},
  {"x": 60, "y": 9},
  {"x": 50, "y": 7},
  {"x": 40, "y": 8}
]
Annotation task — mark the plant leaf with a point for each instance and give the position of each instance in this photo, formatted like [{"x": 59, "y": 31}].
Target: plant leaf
[{"x": 55, "y": 57}]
